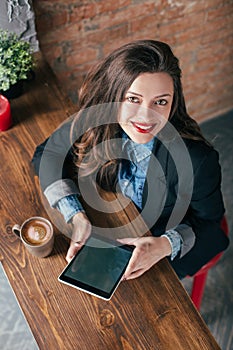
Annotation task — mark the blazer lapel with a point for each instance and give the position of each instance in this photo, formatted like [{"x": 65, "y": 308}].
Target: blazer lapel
[{"x": 155, "y": 189}]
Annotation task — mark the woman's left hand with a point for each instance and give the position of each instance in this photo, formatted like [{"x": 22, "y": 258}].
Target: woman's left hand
[{"x": 148, "y": 251}]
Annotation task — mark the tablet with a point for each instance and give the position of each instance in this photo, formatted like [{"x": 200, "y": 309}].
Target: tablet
[{"x": 98, "y": 266}]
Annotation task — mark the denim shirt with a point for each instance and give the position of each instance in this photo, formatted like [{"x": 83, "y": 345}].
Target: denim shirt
[
  {"x": 131, "y": 179},
  {"x": 132, "y": 173}
]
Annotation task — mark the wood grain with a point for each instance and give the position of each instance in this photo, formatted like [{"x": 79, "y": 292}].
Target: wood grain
[{"x": 151, "y": 312}]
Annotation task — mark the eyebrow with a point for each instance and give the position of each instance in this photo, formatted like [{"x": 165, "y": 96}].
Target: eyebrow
[{"x": 135, "y": 93}]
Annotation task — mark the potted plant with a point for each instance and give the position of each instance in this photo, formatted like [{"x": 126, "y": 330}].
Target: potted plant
[{"x": 16, "y": 63}]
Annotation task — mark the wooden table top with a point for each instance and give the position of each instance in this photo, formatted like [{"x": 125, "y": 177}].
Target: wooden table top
[{"x": 151, "y": 312}]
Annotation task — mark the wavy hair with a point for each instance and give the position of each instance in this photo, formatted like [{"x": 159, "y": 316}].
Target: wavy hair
[{"x": 107, "y": 82}]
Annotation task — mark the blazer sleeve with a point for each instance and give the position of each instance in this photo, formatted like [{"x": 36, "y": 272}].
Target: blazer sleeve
[
  {"x": 53, "y": 163},
  {"x": 204, "y": 215}
]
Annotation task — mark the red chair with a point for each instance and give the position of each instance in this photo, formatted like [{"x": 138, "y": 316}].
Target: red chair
[{"x": 199, "y": 279}]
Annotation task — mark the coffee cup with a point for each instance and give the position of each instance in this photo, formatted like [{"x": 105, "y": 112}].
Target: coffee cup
[{"x": 37, "y": 235}]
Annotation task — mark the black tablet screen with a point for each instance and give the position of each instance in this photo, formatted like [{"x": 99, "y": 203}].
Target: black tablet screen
[{"x": 98, "y": 266}]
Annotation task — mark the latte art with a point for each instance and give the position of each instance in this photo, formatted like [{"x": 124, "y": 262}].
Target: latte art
[
  {"x": 36, "y": 232},
  {"x": 40, "y": 233}
]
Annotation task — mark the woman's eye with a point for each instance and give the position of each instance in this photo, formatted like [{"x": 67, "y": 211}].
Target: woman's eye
[
  {"x": 161, "y": 102},
  {"x": 132, "y": 99}
]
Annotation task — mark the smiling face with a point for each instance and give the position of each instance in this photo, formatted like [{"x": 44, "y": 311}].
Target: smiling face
[{"x": 146, "y": 106}]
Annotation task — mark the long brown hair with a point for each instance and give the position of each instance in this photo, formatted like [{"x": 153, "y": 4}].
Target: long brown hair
[{"x": 107, "y": 83}]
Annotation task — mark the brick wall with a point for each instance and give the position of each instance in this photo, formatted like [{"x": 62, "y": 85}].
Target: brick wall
[{"x": 75, "y": 34}]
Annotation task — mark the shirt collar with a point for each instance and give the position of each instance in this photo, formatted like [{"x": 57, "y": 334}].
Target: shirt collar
[{"x": 140, "y": 151}]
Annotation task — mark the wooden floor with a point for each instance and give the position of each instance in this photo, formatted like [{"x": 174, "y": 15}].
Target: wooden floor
[{"x": 217, "y": 305}]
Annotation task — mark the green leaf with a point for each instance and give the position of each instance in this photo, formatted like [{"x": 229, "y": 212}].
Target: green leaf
[{"x": 16, "y": 59}]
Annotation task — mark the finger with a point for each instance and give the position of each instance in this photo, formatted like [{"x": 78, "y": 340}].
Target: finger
[
  {"x": 73, "y": 249},
  {"x": 133, "y": 262},
  {"x": 129, "y": 241},
  {"x": 134, "y": 274}
]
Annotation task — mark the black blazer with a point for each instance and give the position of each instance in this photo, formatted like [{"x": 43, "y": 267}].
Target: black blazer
[
  {"x": 182, "y": 191},
  {"x": 185, "y": 190}
]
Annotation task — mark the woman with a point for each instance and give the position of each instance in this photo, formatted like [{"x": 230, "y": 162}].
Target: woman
[{"x": 165, "y": 165}]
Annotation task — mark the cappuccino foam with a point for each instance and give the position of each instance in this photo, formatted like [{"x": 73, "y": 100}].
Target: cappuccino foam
[{"x": 36, "y": 232}]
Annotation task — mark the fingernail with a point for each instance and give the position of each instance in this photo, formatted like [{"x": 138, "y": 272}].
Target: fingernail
[{"x": 77, "y": 244}]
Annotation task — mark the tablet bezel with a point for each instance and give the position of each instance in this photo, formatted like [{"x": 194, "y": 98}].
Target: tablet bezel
[{"x": 88, "y": 288}]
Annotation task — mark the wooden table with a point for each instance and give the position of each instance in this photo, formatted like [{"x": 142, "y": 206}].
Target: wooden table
[{"x": 151, "y": 312}]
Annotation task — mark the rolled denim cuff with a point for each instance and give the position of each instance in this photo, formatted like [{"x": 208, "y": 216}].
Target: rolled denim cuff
[
  {"x": 175, "y": 241},
  {"x": 188, "y": 238},
  {"x": 59, "y": 190},
  {"x": 69, "y": 206}
]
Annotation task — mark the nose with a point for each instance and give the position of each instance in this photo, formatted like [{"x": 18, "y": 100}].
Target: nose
[{"x": 144, "y": 112}]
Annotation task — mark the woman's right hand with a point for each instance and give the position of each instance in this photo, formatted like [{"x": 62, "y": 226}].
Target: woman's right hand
[{"x": 81, "y": 232}]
